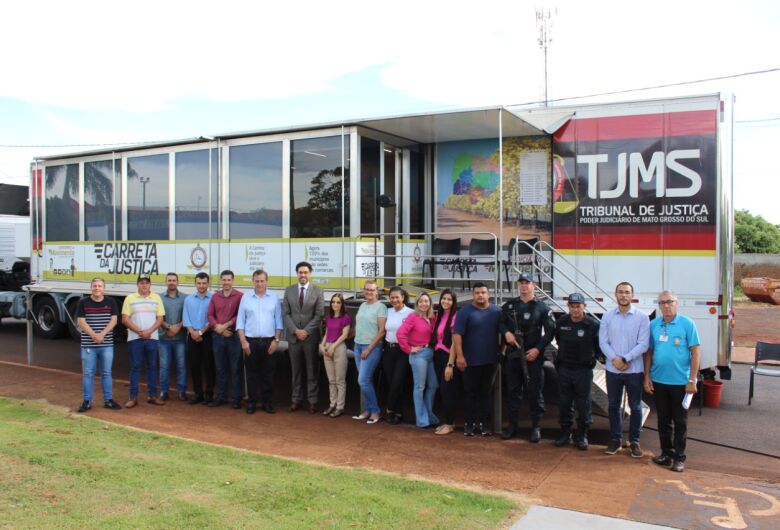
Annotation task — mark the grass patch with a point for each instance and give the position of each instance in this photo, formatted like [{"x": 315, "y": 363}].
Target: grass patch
[{"x": 59, "y": 470}]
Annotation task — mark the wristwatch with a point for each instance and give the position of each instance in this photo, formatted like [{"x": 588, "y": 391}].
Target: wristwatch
[
  {"x": 691, "y": 380},
  {"x": 450, "y": 365}
]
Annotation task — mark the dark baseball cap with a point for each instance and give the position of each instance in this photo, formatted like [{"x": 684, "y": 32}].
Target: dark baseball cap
[
  {"x": 524, "y": 277},
  {"x": 576, "y": 298},
  {"x": 142, "y": 277}
]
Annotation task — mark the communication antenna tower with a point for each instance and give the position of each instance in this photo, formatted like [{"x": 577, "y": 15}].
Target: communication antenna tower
[{"x": 544, "y": 22}]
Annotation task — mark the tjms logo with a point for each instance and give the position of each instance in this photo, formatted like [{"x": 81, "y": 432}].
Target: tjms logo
[{"x": 631, "y": 168}]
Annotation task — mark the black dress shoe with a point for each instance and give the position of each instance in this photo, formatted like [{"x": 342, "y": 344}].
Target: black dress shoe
[
  {"x": 250, "y": 408},
  {"x": 182, "y": 396},
  {"x": 164, "y": 396},
  {"x": 85, "y": 406},
  {"x": 392, "y": 419},
  {"x": 237, "y": 404},
  {"x": 207, "y": 398},
  {"x": 468, "y": 429},
  {"x": 197, "y": 398},
  {"x": 267, "y": 407},
  {"x": 663, "y": 460},
  {"x": 217, "y": 403},
  {"x": 563, "y": 439},
  {"x": 509, "y": 433},
  {"x": 111, "y": 404}
]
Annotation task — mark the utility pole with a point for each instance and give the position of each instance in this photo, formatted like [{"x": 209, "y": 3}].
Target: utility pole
[{"x": 544, "y": 24}]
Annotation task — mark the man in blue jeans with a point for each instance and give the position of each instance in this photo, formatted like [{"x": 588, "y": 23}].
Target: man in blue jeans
[
  {"x": 172, "y": 341},
  {"x": 222, "y": 312},
  {"x": 97, "y": 316},
  {"x": 142, "y": 315},
  {"x": 624, "y": 338}
]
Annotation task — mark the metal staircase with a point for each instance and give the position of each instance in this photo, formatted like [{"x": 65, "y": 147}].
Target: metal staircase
[{"x": 548, "y": 266}]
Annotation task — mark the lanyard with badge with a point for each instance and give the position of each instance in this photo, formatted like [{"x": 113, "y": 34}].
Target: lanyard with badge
[{"x": 664, "y": 337}]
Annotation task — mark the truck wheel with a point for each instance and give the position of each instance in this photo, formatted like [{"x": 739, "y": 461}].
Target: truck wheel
[
  {"x": 73, "y": 330},
  {"x": 47, "y": 321}
]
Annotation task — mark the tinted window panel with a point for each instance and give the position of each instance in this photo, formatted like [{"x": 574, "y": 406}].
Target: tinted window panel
[
  {"x": 62, "y": 203},
  {"x": 147, "y": 198},
  {"x": 102, "y": 215},
  {"x": 256, "y": 191},
  {"x": 194, "y": 202},
  {"x": 315, "y": 172}
]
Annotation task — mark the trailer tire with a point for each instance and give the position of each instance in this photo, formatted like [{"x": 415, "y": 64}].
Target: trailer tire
[
  {"x": 47, "y": 321},
  {"x": 73, "y": 330}
]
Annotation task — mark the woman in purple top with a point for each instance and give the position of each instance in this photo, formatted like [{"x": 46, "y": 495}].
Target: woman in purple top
[
  {"x": 444, "y": 359},
  {"x": 334, "y": 353}
]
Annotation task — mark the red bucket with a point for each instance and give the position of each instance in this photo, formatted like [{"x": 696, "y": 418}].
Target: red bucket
[{"x": 712, "y": 392}]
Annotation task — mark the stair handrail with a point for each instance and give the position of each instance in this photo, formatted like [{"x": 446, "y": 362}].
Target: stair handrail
[{"x": 538, "y": 262}]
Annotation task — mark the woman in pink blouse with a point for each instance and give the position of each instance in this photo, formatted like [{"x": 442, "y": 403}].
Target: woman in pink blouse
[
  {"x": 444, "y": 359},
  {"x": 414, "y": 336},
  {"x": 334, "y": 353}
]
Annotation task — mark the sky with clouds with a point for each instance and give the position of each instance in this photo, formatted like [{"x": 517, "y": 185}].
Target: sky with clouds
[{"x": 80, "y": 73}]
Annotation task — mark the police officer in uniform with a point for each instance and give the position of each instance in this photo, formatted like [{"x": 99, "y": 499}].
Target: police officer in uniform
[
  {"x": 577, "y": 335},
  {"x": 531, "y": 322}
]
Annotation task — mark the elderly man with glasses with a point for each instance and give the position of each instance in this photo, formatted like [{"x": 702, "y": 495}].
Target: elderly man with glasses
[{"x": 671, "y": 365}]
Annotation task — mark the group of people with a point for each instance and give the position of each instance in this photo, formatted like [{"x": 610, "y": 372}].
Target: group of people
[{"x": 228, "y": 335}]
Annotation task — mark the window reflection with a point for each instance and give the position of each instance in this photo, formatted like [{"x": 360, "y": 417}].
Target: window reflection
[
  {"x": 369, "y": 185},
  {"x": 315, "y": 173},
  {"x": 147, "y": 198},
  {"x": 62, "y": 203},
  {"x": 102, "y": 218},
  {"x": 416, "y": 191},
  {"x": 193, "y": 200},
  {"x": 256, "y": 191}
]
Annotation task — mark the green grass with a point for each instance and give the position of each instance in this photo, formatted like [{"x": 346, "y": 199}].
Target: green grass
[{"x": 59, "y": 470}]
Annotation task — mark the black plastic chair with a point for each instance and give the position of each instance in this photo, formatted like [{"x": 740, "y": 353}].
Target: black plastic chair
[
  {"x": 765, "y": 351},
  {"x": 444, "y": 252},
  {"x": 524, "y": 255},
  {"x": 481, "y": 252}
]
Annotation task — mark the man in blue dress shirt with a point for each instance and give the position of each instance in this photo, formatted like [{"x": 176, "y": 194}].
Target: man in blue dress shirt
[
  {"x": 259, "y": 325},
  {"x": 196, "y": 322},
  {"x": 624, "y": 338}
]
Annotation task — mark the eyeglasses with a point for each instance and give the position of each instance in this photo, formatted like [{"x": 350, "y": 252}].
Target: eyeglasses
[{"x": 666, "y": 302}]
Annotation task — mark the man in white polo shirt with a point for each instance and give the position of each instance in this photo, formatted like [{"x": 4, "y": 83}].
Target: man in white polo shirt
[{"x": 142, "y": 314}]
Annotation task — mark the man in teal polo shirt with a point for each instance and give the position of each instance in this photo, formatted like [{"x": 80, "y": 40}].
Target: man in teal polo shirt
[{"x": 671, "y": 365}]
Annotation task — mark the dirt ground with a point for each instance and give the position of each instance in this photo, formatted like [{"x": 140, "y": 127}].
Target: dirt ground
[
  {"x": 590, "y": 481},
  {"x": 754, "y": 322}
]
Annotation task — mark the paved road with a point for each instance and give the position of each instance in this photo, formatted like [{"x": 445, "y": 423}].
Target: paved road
[{"x": 723, "y": 487}]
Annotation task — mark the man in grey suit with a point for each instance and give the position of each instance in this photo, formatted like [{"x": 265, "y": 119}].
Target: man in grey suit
[{"x": 303, "y": 309}]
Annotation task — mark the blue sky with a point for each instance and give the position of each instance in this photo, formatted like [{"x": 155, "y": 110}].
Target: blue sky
[{"x": 88, "y": 72}]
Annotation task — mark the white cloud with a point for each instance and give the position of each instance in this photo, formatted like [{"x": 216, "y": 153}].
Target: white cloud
[{"x": 147, "y": 56}]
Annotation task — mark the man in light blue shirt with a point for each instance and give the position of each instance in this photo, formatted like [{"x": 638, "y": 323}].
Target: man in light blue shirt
[
  {"x": 624, "y": 338},
  {"x": 671, "y": 369},
  {"x": 196, "y": 322},
  {"x": 259, "y": 325}
]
